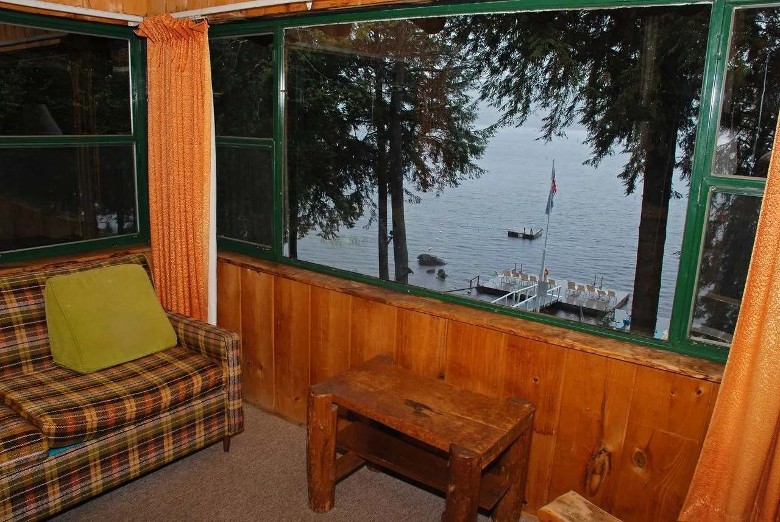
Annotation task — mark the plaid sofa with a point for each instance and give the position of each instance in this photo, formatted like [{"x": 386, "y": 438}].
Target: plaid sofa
[{"x": 67, "y": 437}]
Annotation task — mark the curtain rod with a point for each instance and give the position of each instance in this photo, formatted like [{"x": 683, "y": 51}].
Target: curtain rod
[
  {"x": 240, "y": 6},
  {"x": 72, "y": 9}
]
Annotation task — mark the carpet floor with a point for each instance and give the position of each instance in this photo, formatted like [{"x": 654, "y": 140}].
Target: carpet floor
[{"x": 263, "y": 477}]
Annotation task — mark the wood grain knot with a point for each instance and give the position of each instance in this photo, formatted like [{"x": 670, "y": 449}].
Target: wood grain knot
[
  {"x": 597, "y": 469},
  {"x": 420, "y": 408},
  {"x": 639, "y": 458}
]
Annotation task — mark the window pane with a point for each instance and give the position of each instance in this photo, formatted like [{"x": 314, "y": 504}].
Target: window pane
[
  {"x": 242, "y": 78},
  {"x": 750, "y": 103},
  {"x": 244, "y": 194},
  {"x": 417, "y": 142},
  {"x": 728, "y": 242},
  {"x": 64, "y": 194},
  {"x": 61, "y": 83}
]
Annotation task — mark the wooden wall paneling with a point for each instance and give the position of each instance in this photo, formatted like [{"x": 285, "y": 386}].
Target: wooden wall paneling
[
  {"x": 331, "y": 325},
  {"x": 156, "y": 7},
  {"x": 666, "y": 428},
  {"x": 136, "y": 7},
  {"x": 673, "y": 402},
  {"x": 475, "y": 358},
  {"x": 651, "y": 422},
  {"x": 420, "y": 340},
  {"x": 292, "y": 329},
  {"x": 229, "y": 296},
  {"x": 184, "y": 5},
  {"x": 595, "y": 402},
  {"x": 257, "y": 337},
  {"x": 534, "y": 371},
  {"x": 656, "y": 470},
  {"x": 373, "y": 330}
]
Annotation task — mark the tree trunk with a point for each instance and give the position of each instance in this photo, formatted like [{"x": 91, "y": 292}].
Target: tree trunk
[
  {"x": 381, "y": 176},
  {"x": 292, "y": 214},
  {"x": 400, "y": 252},
  {"x": 658, "y": 141},
  {"x": 291, "y": 180}
]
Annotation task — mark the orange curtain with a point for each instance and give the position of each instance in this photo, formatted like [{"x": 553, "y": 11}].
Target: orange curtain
[
  {"x": 180, "y": 150},
  {"x": 738, "y": 474}
]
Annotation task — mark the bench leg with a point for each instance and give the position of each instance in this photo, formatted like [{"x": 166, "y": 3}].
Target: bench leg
[
  {"x": 226, "y": 444},
  {"x": 464, "y": 472},
  {"x": 515, "y": 464},
  {"x": 321, "y": 452}
]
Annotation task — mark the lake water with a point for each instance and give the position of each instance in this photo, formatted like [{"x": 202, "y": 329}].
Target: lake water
[{"x": 592, "y": 232}]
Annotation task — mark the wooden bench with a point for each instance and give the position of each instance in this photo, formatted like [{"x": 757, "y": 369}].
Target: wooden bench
[{"x": 472, "y": 447}]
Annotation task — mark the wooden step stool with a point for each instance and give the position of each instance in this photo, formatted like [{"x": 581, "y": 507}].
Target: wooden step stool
[
  {"x": 571, "y": 507},
  {"x": 473, "y": 447}
]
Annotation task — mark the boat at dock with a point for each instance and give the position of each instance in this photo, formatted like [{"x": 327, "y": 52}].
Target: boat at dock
[{"x": 526, "y": 233}]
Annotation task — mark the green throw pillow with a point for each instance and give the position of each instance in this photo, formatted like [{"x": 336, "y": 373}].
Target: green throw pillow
[{"x": 104, "y": 317}]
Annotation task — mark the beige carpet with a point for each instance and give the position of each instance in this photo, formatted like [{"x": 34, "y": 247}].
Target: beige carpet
[{"x": 262, "y": 478}]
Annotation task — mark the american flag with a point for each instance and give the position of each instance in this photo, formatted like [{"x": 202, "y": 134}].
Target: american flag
[{"x": 553, "y": 190}]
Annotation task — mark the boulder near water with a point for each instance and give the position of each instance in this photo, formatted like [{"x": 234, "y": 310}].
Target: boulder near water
[{"x": 430, "y": 260}]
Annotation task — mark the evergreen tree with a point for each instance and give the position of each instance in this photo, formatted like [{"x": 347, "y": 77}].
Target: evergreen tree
[
  {"x": 632, "y": 76},
  {"x": 389, "y": 103}
]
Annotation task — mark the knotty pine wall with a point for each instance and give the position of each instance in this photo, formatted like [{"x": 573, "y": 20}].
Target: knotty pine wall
[
  {"x": 619, "y": 423},
  {"x": 134, "y": 7},
  {"x": 170, "y": 6},
  {"x": 156, "y": 7}
]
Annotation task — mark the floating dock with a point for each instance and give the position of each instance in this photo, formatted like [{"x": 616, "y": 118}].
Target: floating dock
[
  {"x": 518, "y": 290},
  {"x": 593, "y": 306},
  {"x": 526, "y": 233}
]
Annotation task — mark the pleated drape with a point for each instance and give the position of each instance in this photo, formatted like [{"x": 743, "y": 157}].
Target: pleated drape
[
  {"x": 180, "y": 160},
  {"x": 738, "y": 474}
]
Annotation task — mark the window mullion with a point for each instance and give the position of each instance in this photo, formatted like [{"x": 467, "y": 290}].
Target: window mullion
[{"x": 712, "y": 85}]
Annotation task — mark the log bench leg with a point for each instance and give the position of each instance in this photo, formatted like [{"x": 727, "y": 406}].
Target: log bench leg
[
  {"x": 464, "y": 473},
  {"x": 226, "y": 444},
  {"x": 321, "y": 452},
  {"x": 515, "y": 463}
]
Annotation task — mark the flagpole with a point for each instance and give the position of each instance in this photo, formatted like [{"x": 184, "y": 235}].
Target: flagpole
[{"x": 540, "y": 299}]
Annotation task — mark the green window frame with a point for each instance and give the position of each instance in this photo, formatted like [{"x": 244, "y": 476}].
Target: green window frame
[
  {"x": 137, "y": 138},
  {"x": 262, "y": 144},
  {"x": 702, "y": 179}
]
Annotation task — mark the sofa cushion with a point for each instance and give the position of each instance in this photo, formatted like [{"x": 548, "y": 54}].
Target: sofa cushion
[
  {"x": 70, "y": 407},
  {"x": 20, "y": 442},
  {"x": 104, "y": 317},
  {"x": 24, "y": 340}
]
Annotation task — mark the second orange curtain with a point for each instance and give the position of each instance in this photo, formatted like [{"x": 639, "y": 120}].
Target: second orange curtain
[
  {"x": 738, "y": 474},
  {"x": 180, "y": 160}
]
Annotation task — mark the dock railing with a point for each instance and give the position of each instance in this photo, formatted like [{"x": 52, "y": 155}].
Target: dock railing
[
  {"x": 553, "y": 295},
  {"x": 515, "y": 295}
]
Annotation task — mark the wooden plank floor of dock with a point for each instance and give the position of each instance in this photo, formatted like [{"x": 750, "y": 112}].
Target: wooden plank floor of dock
[{"x": 575, "y": 303}]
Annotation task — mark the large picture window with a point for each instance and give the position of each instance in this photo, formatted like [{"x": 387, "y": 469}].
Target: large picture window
[
  {"x": 68, "y": 149},
  {"x": 598, "y": 168},
  {"x": 415, "y": 143},
  {"x": 243, "y": 83}
]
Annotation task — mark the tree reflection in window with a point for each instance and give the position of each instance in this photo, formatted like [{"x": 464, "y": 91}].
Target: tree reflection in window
[
  {"x": 750, "y": 99},
  {"x": 728, "y": 241}
]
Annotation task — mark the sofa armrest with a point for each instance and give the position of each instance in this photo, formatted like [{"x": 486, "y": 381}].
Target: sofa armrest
[{"x": 224, "y": 348}]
